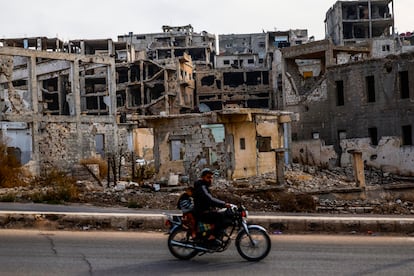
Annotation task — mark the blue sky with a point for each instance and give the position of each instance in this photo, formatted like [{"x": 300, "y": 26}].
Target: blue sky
[{"x": 90, "y": 19}]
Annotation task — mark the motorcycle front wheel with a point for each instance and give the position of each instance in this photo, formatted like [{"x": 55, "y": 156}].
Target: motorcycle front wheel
[
  {"x": 177, "y": 240},
  {"x": 255, "y": 246}
]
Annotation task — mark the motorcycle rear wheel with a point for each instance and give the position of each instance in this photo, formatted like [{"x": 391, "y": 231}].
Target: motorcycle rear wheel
[
  {"x": 256, "y": 248},
  {"x": 181, "y": 235}
]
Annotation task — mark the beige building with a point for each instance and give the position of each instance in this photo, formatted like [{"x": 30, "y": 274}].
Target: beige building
[{"x": 237, "y": 143}]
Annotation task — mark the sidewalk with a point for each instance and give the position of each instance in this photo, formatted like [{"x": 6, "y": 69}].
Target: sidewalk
[{"x": 86, "y": 217}]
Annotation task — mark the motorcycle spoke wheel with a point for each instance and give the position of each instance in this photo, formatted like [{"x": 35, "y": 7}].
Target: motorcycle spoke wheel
[
  {"x": 180, "y": 235},
  {"x": 256, "y": 248}
]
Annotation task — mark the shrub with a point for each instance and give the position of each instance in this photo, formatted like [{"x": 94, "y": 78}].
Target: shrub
[
  {"x": 10, "y": 168},
  {"x": 103, "y": 165},
  {"x": 60, "y": 187}
]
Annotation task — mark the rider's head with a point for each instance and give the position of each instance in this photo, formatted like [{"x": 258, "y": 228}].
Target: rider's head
[{"x": 207, "y": 175}]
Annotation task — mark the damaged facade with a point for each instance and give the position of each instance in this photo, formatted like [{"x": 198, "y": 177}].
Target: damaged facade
[
  {"x": 54, "y": 102},
  {"x": 237, "y": 143},
  {"x": 361, "y": 97},
  {"x": 243, "y": 76},
  {"x": 115, "y": 97},
  {"x": 170, "y": 98},
  {"x": 350, "y": 22}
]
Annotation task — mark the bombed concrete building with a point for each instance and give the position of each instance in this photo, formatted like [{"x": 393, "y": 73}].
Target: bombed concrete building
[
  {"x": 359, "y": 99},
  {"x": 349, "y": 22},
  {"x": 54, "y": 102},
  {"x": 155, "y": 95},
  {"x": 243, "y": 76},
  {"x": 112, "y": 99},
  {"x": 173, "y": 42}
]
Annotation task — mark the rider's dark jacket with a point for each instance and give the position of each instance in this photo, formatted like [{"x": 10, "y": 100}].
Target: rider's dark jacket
[{"x": 203, "y": 200}]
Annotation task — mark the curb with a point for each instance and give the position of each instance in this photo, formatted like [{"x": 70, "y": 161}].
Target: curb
[{"x": 156, "y": 222}]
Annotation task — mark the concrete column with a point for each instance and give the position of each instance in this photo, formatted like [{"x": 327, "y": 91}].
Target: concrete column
[
  {"x": 358, "y": 165},
  {"x": 33, "y": 84},
  {"x": 280, "y": 166}
]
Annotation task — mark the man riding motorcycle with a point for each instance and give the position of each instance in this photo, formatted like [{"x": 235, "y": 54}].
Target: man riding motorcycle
[{"x": 205, "y": 205}]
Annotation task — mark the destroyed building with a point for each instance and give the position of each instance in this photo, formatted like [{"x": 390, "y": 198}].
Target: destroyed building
[
  {"x": 156, "y": 94},
  {"x": 54, "y": 102},
  {"x": 236, "y": 143},
  {"x": 243, "y": 76},
  {"x": 118, "y": 105},
  {"x": 350, "y": 22},
  {"x": 364, "y": 105},
  {"x": 173, "y": 42},
  {"x": 355, "y": 96}
]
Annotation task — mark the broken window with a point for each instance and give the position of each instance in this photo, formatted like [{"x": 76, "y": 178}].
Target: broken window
[
  {"x": 135, "y": 96},
  {"x": 370, "y": 88},
  {"x": 242, "y": 143},
  {"x": 407, "y": 135},
  {"x": 163, "y": 54},
  {"x": 51, "y": 95},
  {"x": 386, "y": 48},
  {"x": 135, "y": 73},
  {"x": 233, "y": 79},
  {"x": 226, "y": 62},
  {"x": 207, "y": 80},
  {"x": 253, "y": 78},
  {"x": 348, "y": 30},
  {"x": 265, "y": 77},
  {"x": 340, "y": 99},
  {"x": 264, "y": 144},
  {"x": 373, "y": 135},
  {"x": 100, "y": 144},
  {"x": 120, "y": 98},
  {"x": 54, "y": 92},
  {"x": 404, "y": 87},
  {"x": 94, "y": 88},
  {"x": 122, "y": 74},
  {"x": 250, "y": 61},
  {"x": 177, "y": 149},
  {"x": 197, "y": 54}
]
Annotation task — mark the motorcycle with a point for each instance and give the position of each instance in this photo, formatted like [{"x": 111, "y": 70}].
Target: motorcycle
[{"x": 184, "y": 242}]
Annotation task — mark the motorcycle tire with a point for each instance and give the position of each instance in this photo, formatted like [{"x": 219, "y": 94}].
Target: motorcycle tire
[
  {"x": 180, "y": 235},
  {"x": 256, "y": 248}
]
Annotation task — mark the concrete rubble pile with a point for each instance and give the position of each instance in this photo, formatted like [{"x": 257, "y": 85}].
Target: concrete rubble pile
[{"x": 327, "y": 191}]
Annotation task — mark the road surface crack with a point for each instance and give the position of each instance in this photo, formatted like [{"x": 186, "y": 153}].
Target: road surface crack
[
  {"x": 52, "y": 243},
  {"x": 88, "y": 263}
]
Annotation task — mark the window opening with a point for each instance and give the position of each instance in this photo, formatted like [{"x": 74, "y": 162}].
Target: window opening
[
  {"x": 340, "y": 99},
  {"x": 177, "y": 150},
  {"x": 404, "y": 87},
  {"x": 373, "y": 135},
  {"x": 264, "y": 144},
  {"x": 407, "y": 138},
  {"x": 242, "y": 143},
  {"x": 370, "y": 86}
]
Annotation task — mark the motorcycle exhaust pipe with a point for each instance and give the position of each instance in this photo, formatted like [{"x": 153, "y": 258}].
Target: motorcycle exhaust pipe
[{"x": 188, "y": 246}]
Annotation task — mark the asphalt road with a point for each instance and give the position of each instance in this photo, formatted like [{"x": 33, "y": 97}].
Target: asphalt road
[{"x": 34, "y": 252}]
